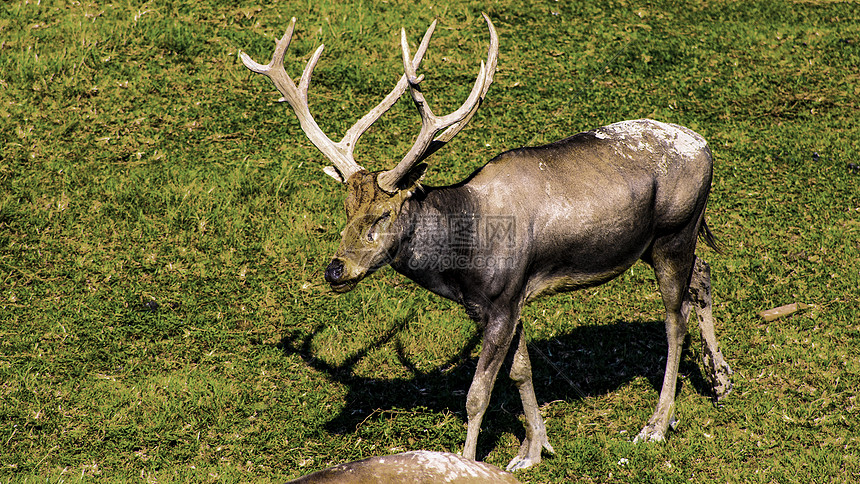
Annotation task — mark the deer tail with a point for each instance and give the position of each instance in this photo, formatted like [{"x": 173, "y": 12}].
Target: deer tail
[{"x": 708, "y": 237}]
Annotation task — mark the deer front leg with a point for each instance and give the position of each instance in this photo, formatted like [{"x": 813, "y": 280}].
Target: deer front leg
[
  {"x": 536, "y": 439},
  {"x": 497, "y": 340}
]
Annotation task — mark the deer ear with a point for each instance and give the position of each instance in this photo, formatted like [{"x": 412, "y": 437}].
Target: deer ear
[
  {"x": 332, "y": 172},
  {"x": 415, "y": 174}
]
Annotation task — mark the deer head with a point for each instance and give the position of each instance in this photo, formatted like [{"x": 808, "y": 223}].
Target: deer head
[{"x": 375, "y": 201}]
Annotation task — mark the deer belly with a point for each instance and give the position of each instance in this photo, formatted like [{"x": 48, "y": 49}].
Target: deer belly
[{"x": 547, "y": 284}]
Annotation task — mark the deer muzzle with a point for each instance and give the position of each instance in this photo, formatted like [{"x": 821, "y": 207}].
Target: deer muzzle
[{"x": 336, "y": 275}]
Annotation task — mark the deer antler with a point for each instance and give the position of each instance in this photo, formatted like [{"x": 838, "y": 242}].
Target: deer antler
[
  {"x": 425, "y": 145},
  {"x": 340, "y": 153}
]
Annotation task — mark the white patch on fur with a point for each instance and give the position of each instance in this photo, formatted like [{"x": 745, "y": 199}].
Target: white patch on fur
[
  {"x": 451, "y": 466},
  {"x": 669, "y": 137}
]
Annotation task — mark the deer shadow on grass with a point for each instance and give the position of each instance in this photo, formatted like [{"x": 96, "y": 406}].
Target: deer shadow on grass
[{"x": 585, "y": 362}]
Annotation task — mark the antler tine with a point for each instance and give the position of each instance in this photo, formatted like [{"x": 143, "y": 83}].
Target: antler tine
[
  {"x": 277, "y": 56},
  {"x": 425, "y": 144}
]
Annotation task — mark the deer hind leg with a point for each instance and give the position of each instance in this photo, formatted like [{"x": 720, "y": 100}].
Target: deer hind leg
[
  {"x": 672, "y": 258},
  {"x": 536, "y": 439},
  {"x": 717, "y": 371}
]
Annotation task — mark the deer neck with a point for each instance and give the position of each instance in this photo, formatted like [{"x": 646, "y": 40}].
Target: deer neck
[{"x": 437, "y": 227}]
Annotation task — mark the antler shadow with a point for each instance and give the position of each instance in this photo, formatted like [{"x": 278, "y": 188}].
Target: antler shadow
[{"x": 588, "y": 361}]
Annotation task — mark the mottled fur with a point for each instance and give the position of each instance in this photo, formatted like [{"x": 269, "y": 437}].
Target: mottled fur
[{"x": 417, "y": 467}]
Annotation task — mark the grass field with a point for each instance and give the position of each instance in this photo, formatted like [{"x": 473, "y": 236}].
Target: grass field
[{"x": 164, "y": 225}]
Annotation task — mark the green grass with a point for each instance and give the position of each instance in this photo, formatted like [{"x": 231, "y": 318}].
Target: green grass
[{"x": 164, "y": 224}]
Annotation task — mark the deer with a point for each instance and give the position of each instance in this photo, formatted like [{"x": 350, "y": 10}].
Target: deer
[{"x": 531, "y": 222}]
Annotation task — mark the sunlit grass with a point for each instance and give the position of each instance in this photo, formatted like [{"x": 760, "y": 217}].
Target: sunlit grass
[{"x": 164, "y": 225}]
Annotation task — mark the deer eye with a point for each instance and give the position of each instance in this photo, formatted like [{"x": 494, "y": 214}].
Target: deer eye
[{"x": 373, "y": 232}]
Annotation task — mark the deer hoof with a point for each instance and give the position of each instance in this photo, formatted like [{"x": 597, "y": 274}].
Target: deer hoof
[
  {"x": 530, "y": 453},
  {"x": 518, "y": 463},
  {"x": 650, "y": 434}
]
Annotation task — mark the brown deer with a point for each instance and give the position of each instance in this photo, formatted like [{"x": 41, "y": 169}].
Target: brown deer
[{"x": 531, "y": 222}]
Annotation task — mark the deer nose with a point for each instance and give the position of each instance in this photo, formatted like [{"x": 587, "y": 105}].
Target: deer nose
[{"x": 334, "y": 271}]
